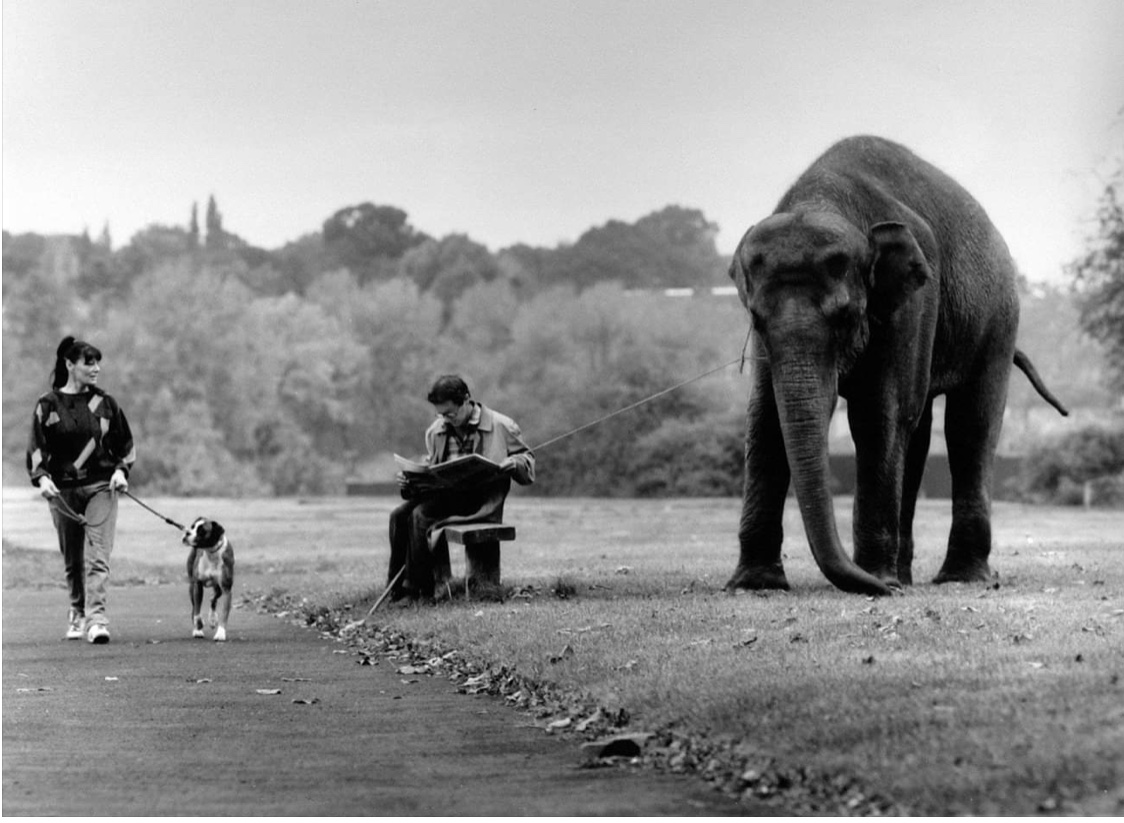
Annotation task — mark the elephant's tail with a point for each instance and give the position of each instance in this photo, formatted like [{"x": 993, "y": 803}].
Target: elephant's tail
[{"x": 1027, "y": 368}]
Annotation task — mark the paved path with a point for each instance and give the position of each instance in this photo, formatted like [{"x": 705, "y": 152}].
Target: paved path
[{"x": 155, "y": 723}]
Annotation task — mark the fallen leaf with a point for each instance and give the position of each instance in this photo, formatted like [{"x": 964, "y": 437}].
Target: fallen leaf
[
  {"x": 411, "y": 670},
  {"x": 558, "y": 725},
  {"x": 296, "y": 679},
  {"x": 566, "y": 653},
  {"x": 40, "y": 689},
  {"x": 203, "y": 680},
  {"x": 268, "y": 691},
  {"x": 623, "y": 570},
  {"x": 305, "y": 701},
  {"x": 112, "y": 678},
  {"x": 589, "y": 721}
]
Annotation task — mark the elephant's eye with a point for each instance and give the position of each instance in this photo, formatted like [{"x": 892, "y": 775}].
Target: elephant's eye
[{"x": 836, "y": 264}]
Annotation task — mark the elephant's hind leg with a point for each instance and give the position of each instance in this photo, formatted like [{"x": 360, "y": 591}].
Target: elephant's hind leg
[{"x": 973, "y": 418}]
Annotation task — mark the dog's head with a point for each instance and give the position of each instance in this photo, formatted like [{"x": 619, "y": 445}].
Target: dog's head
[{"x": 203, "y": 533}]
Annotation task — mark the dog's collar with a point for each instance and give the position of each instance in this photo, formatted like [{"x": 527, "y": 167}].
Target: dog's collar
[{"x": 217, "y": 547}]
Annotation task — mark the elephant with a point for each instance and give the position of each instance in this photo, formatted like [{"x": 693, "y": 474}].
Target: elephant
[{"x": 881, "y": 280}]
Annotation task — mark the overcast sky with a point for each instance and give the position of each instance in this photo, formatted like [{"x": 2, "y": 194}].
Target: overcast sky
[{"x": 534, "y": 121}]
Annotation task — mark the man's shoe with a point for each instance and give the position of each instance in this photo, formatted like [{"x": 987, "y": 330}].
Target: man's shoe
[
  {"x": 75, "y": 625},
  {"x": 98, "y": 634}
]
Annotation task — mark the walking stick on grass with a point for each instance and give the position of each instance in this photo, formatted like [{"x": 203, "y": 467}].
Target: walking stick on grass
[{"x": 382, "y": 597}]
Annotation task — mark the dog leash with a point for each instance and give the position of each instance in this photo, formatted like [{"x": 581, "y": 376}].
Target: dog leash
[
  {"x": 141, "y": 503},
  {"x": 62, "y": 507}
]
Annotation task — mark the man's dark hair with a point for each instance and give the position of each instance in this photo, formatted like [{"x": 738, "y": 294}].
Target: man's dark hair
[{"x": 449, "y": 388}]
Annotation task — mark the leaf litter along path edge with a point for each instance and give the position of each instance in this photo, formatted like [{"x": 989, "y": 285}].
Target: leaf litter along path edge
[{"x": 159, "y": 723}]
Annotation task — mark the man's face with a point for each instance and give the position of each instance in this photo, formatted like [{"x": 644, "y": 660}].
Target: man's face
[{"x": 456, "y": 414}]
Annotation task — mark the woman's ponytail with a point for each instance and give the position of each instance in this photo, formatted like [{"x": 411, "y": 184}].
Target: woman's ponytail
[{"x": 59, "y": 375}]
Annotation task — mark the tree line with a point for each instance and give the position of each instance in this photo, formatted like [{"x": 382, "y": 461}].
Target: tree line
[{"x": 249, "y": 371}]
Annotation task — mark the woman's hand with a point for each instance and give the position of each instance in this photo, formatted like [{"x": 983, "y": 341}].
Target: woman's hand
[
  {"x": 47, "y": 487},
  {"x": 119, "y": 483}
]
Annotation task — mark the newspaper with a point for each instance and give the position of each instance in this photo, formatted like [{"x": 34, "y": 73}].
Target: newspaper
[{"x": 467, "y": 470}]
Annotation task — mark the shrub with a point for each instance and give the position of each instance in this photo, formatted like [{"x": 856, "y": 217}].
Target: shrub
[{"x": 1057, "y": 471}]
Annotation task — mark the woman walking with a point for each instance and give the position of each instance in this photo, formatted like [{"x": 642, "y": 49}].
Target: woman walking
[{"x": 79, "y": 457}]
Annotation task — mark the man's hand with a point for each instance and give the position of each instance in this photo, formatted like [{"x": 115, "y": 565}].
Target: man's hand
[
  {"x": 119, "y": 483},
  {"x": 508, "y": 466},
  {"x": 47, "y": 487},
  {"x": 405, "y": 487}
]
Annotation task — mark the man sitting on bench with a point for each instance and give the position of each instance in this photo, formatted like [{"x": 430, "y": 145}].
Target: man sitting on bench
[{"x": 463, "y": 426}]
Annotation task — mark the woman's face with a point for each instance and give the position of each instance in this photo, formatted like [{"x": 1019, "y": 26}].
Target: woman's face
[{"x": 84, "y": 372}]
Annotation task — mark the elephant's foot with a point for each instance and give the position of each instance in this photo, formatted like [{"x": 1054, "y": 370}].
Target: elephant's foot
[
  {"x": 758, "y": 577},
  {"x": 977, "y": 572}
]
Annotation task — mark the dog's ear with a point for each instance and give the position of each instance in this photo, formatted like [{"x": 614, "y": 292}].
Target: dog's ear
[{"x": 214, "y": 532}]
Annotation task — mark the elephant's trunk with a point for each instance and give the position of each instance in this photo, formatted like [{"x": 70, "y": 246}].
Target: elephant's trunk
[{"x": 806, "y": 393}]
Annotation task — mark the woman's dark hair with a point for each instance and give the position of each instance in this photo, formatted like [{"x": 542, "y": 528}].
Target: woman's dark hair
[
  {"x": 449, "y": 388},
  {"x": 71, "y": 350}
]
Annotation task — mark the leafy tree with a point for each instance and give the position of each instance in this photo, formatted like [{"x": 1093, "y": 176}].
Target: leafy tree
[
  {"x": 1099, "y": 278},
  {"x": 449, "y": 267},
  {"x": 669, "y": 248},
  {"x": 701, "y": 458},
  {"x": 366, "y": 238},
  {"x": 193, "y": 227},
  {"x": 216, "y": 235},
  {"x": 22, "y": 253}
]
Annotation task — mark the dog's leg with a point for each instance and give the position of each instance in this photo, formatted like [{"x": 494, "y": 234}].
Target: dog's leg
[
  {"x": 223, "y": 614},
  {"x": 227, "y": 588},
  {"x": 196, "y": 608}
]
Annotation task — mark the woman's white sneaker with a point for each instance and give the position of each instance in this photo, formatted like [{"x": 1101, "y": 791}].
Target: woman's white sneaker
[
  {"x": 75, "y": 625},
  {"x": 98, "y": 633}
]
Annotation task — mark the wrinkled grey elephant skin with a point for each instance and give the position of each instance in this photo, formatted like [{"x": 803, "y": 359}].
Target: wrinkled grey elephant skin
[{"x": 879, "y": 279}]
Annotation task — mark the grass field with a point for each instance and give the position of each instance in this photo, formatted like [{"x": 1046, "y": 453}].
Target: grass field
[{"x": 961, "y": 699}]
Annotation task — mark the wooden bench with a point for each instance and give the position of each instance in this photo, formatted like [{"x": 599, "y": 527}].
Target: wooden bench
[{"x": 481, "y": 543}]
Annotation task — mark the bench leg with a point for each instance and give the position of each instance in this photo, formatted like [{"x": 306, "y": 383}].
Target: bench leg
[{"x": 482, "y": 564}]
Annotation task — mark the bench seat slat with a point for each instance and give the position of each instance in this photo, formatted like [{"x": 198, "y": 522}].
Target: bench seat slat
[{"x": 469, "y": 534}]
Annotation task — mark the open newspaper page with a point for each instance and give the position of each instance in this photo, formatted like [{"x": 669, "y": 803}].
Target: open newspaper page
[{"x": 460, "y": 472}]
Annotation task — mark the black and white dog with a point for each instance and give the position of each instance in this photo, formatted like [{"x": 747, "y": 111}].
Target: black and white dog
[{"x": 210, "y": 563}]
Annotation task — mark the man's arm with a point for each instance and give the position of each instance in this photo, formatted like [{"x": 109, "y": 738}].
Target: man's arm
[{"x": 520, "y": 459}]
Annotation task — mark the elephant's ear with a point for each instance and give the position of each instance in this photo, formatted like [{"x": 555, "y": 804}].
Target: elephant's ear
[{"x": 899, "y": 267}]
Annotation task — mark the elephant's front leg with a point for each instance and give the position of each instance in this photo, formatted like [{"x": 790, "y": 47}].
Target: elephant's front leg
[
  {"x": 761, "y": 531},
  {"x": 880, "y": 467}
]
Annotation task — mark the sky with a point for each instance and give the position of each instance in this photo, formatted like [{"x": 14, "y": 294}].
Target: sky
[{"x": 532, "y": 122}]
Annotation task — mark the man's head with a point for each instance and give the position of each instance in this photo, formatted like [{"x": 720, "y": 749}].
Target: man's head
[{"x": 451, "y": 399}]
